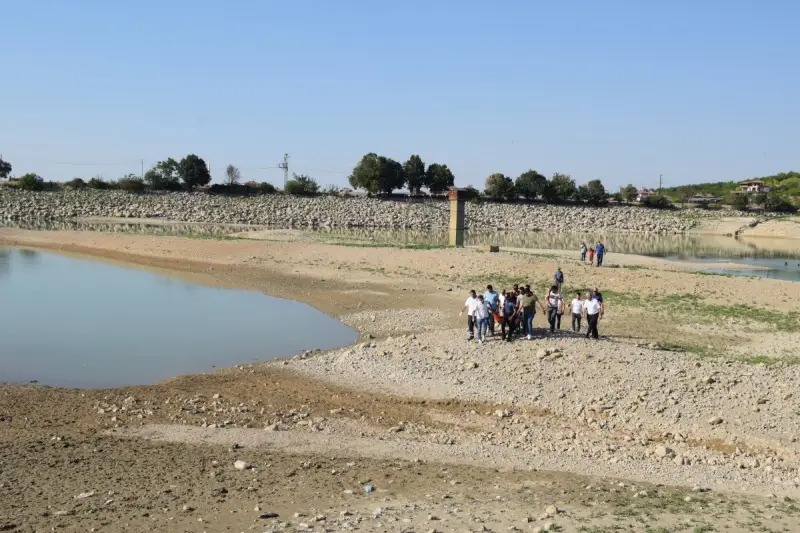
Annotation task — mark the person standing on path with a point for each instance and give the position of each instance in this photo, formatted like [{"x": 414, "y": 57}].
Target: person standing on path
[
  {"x": 559, "y": 278},
  {"x": 592, "y": 309},
  {"x": 509, "y": 315},
  {"x": 481, "y": 318},
  {"x": 577, "y": 312},
  {"x": 597, "y": 295},
  {"x": 469, "y": 307},
  {"x": 554, "y": 303},
  {"x": 600, "y": 249},
  {"x": 591, "y": 256},
  {"x": 528, "y": 303},
  {"x": 492, "y": 299},
  {"x": 583, "y": 252}
]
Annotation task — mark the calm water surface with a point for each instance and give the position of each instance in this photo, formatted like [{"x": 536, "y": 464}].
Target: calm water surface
[{"x": 77, "y": 323}]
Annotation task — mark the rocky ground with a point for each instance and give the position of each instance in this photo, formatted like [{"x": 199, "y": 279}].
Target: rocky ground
[
  {"x": 337, "y": 212},
  {"x": 683, "y": 418}
]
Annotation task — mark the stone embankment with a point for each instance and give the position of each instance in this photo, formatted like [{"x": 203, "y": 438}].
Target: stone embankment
[{"x": 333, "y": 212}]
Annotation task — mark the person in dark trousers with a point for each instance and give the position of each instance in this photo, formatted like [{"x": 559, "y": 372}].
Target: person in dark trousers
[
  {"x": 469, "y": 307},
  {"x": 577, "y": 312},
  {"x": 492, "y": 300},
  {"x": 584, "y": 249},
  {"x": 600, "y": 250},
  {"x": 559, "y": 278},
  {"x": 593, "y": 311},
  {"x": 554, "y": 306},
  {"x": 509, "y": 316}
]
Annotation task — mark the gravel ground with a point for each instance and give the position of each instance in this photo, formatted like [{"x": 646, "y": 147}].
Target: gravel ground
[{"x": 724, "y": 423}]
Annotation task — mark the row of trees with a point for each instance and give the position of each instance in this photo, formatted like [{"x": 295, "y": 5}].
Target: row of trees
[
  {"x": 378, "y": 174},
  {"x": 532, "y": 185}
]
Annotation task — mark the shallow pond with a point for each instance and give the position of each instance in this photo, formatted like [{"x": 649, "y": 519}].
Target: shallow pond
[{"x": 78, "y": 323}]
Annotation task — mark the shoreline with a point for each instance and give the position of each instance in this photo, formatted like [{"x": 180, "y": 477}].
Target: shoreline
[{"x": 412, "y": 395}]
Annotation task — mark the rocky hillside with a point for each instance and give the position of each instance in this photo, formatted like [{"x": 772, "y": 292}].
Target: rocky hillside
[{"x": 331, "y": 212}]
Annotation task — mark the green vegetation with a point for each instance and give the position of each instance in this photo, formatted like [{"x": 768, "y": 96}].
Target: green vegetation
[
  {"x": 31, "y": 182},
  {"x": 5, "y": 169},
  {"x": 302, "y": 185},
  {"x": 656, "y": 201},
  {"x": 383, "y": 175},
  {"x": 783, "y": 195},
  {"x": 131, "y": 183}
]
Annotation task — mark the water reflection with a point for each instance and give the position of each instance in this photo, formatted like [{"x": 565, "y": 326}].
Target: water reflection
[
  {"x": 685, "y": 246},
  {"x": 77, "y": 323},
  {"x": 682, "y": 246}
]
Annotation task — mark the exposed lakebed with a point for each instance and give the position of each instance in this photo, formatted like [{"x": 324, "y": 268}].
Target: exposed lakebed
[{"x": 77, "y": 323}]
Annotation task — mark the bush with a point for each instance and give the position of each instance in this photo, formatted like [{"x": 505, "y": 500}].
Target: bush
[
  {"x": 131, "y": 184},
  {"x": 31, "y": 182},
  {"x": 98, "y": 183},
  {"x": 656, "y": 201},
  {"x": 303, "y": 185},
  {"x": 75, "y": 183},
  {"x": 779, "y": 204},
  {"x": 265, "y": 188}
]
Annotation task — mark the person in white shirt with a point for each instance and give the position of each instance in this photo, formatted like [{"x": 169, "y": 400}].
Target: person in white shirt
[
  {"x": 592, "y": 308},
  {"x": 554, "y": 306},
  {"x": 482, "y": 312},
  {"x": 577, "y": 312},
  {"x": 469, "y": 307}
]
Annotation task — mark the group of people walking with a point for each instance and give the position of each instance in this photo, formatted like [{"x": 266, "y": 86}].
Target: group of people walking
[
  {"x": 598, "y": 250},
  {"x": 514, "y": 310}
]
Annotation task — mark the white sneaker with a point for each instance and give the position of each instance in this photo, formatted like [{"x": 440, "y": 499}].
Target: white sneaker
[
  {"x": 480, "y": 341},
  {"x": 529, "y": 338}
]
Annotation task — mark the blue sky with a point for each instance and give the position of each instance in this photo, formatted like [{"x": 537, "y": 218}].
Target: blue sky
[{"x": 617, "y": 90}]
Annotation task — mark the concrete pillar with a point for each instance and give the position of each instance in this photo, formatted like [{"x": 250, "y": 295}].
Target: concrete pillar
[{"x": 457, "y": 208}]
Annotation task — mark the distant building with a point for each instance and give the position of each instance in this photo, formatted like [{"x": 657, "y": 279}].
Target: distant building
[
  {"x": 752, "y": 186},
  {"x": 645, "y": 193},
  {"x": 705, "y": 199}
]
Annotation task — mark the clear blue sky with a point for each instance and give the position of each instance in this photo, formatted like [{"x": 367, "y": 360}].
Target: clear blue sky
[{"x": 617, "y": 90}]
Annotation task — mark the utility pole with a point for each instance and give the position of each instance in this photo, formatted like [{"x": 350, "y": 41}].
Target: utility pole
[
  {"x": 142, "y": 162},
  {"x": 285, "y": 166},
  {"x": 660, "y": 181}
]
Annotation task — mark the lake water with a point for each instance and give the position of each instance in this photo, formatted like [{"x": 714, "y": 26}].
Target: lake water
[{"x": 77, "y": 323}]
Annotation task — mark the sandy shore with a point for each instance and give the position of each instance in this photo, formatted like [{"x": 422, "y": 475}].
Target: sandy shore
[{"x": 690, "y": 389}]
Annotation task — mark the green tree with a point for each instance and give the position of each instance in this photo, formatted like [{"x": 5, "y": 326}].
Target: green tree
[
  {"x": 629, "y": 193},
  {"x": 366, "y": 174},
  {"x": 595, "y": 193},
  {"x": 530, "y": 184},
  {"x": 99, "y": 183},
  {"x": 5, "y": 169},
  {"x": 164, "y": 176},
  {"x": 500, "y": 187},
  {"x": 301, "y": 184},
  {"x": 391, "y": 174},
  {"x": 414, "y": 170},
  {"x": 560, "y": 188},
  {"x": 31, "y": 182},
  {"x": 377, "y": 174},
  {"x": 739, "y": 201},
  {"x": 776, "y": 203},
  {"x": 131, "y": 183},
  {"x": 194, "y": 172},
  {"x": 438, "y": 178}
]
